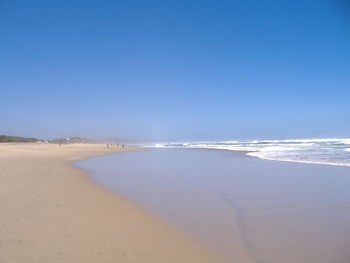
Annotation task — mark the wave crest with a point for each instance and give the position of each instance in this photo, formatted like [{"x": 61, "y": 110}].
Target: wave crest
[{"x": 317, "y": 151}]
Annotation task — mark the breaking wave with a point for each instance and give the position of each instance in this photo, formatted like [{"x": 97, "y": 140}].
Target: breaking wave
[{"x": 316, "y": 151}]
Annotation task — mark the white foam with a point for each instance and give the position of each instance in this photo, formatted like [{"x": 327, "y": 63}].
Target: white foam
[
  {"x": 317, "y": 151},
  {"x": 257, "y": 154}
]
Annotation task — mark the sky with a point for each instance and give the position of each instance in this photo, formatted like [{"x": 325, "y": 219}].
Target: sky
[{"x": 175, "y": 70}]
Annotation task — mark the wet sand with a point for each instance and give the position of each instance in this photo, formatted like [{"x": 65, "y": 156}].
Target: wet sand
[
  {"x": 261, "y": 211},
  {"x": 52, "y": 212}
]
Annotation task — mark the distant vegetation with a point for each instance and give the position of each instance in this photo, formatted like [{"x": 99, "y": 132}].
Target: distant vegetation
[
  {"x": 4, "y": 138},
  {"x": 70, "y": 140}
]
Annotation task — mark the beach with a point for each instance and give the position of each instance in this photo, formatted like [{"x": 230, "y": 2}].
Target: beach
[
  {"x": 93, "y": 203},
  {"x": 175, "y": 131},
  {"x": 52, "y": 212}
]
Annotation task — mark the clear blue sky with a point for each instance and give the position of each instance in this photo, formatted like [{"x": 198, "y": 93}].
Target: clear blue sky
[{"x": 175, "y": 70}]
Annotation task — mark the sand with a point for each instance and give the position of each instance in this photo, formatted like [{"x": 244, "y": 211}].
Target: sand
[{"x": 52, "y": 212}]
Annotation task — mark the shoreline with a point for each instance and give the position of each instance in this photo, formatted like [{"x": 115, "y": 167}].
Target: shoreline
[
  {"x": 248, "y": 155},
  {"x": 246, "y": 208},
  {"x": 53, "y": 212},
  {"x": 233, "y": 235}
]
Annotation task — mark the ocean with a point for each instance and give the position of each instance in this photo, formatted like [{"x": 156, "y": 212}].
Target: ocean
[
  {"x": 246, "y": 209},
  {"x": 316, "y": 151}
]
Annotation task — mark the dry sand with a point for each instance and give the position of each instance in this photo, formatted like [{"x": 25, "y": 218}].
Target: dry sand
[{"x": 52, "y": 212}]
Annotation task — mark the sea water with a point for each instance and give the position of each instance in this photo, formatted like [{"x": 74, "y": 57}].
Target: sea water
[
  {"x": 284, "y": 212},
  {"x": 317, "y": 151}
]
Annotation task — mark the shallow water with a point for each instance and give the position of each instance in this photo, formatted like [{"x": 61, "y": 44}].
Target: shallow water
[{"x": 285, "y": 212}]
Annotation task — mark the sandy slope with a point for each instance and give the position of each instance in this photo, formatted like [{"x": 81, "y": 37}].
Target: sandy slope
[{"x": 51, "y": 212}]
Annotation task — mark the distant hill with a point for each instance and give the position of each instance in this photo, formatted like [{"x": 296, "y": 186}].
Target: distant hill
[
  {"x": 70, "y": 140},
  {"x": 67, "y": 140},
  {"x": 4, "y": 138}
]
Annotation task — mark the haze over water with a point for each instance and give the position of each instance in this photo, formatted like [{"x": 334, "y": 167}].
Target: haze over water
[{"x": 283, "y": 212}]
